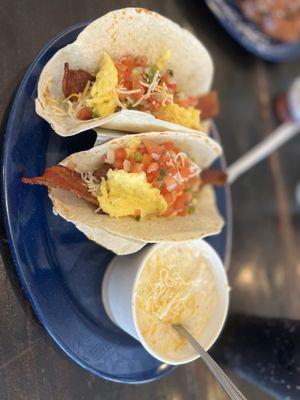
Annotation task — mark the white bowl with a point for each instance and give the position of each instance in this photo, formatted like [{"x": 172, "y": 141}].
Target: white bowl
[{"x": 119, "y": 287}]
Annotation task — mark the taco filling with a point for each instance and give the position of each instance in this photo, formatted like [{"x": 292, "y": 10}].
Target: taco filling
[
  {"x": 142, "y": 179},
  {"x": 132, "y": 83}
]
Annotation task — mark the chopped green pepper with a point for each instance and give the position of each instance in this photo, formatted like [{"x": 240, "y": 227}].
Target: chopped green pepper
[
  {"x": 95, "y": 115},
  {"x": 150, "y": 74},
  {"x": 162, "y": 174},
  {"x": 135, "y": 71},
  {"x": 137, "y": 218},
  {"x": 138, "y": 157},
  {"x": 191, "y": 209}
]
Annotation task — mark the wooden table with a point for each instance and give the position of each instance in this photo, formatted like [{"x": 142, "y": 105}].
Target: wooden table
[{"x": 265, "y": 267}]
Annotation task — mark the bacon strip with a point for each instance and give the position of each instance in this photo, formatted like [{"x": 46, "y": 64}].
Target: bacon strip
[
  {"x": 102, "y": 171},
  {"x": 74, "y": 81},
  {"x": 214, "y": 177},
  {"x": 62, "y": 177},
  {"x": 85, "y": 113},
  {"x": 209, "y": 105}
]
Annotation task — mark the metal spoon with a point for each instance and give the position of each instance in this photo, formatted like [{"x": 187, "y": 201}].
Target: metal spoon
[
  {"x": 272, "y": 142},
  {"x": 228, "y": 386}
]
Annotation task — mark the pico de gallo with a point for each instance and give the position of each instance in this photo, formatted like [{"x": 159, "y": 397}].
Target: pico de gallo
[
  {"x": 133, "y": 83},
  {"x": 166, "y": 168}
]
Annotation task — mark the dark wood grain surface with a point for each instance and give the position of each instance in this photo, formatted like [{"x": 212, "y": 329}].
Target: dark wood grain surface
[{"x": 265, "y": 266}]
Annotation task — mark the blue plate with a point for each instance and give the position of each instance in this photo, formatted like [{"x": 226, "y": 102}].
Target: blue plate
[
  {"x": 60, "y": 269},
  {"x": 249, "y": 35}
]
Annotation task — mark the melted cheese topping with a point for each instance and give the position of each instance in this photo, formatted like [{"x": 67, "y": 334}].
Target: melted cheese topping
[{"x": 175, "y": 286}]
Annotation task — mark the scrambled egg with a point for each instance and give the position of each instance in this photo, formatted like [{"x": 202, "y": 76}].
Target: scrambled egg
[
  {"x": 123, "y": 194},
  {"x": 189, "y": 117},
  {"x": 163, "y": 59},
  {"x": 103, "y": 98},
  {"x": 131, "y": 146}
]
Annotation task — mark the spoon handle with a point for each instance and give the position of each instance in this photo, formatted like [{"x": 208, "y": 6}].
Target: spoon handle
[
  {"x": 227, "y": 385},
  {"x": 272, "y": 142}
]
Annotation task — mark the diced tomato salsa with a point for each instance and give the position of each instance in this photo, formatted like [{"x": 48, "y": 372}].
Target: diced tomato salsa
[
  {"x": 167, "y": 169},
  {"x": 135, "y": 73}
]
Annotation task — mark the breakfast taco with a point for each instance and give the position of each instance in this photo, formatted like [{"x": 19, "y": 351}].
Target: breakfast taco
[
  {"x": 131, "y": 70},
  {"x": 151, "y": 187}
]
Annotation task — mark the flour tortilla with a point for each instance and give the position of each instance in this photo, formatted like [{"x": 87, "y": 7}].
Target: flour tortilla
[
  {"x": 133, "y": 31},
  {"x": 65, "y": 204},
  {"x": 101, "y": 228},
  {"x": 106, "y": 134}
]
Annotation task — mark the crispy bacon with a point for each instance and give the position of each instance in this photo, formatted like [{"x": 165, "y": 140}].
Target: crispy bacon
[
  {"x": 63, "y": 177},
  {"x": 74, "y": 81},
  {"x": 102, "y": 171},
  {"x": 214, "y": 177},
  {"x": 209, "y": 105},
  {"x": 85, "y": 113}
]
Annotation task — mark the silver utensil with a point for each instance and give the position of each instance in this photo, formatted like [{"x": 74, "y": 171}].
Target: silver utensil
[
  {"x": 272, "y": 142},
  {"x": 228, "y": 386}
]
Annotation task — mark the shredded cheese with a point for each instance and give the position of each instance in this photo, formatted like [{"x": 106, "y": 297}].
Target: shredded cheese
[
  {"x": 91, "y": 181},
  {"x": 118, "y": 101},
  {"x": 65, "y": 107},
  {"x": 69, "y": 97},
  {"x": 175, "y": 286},
  {"x": 155, "y": 88},
  {"x": 124, "y": 91}
]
